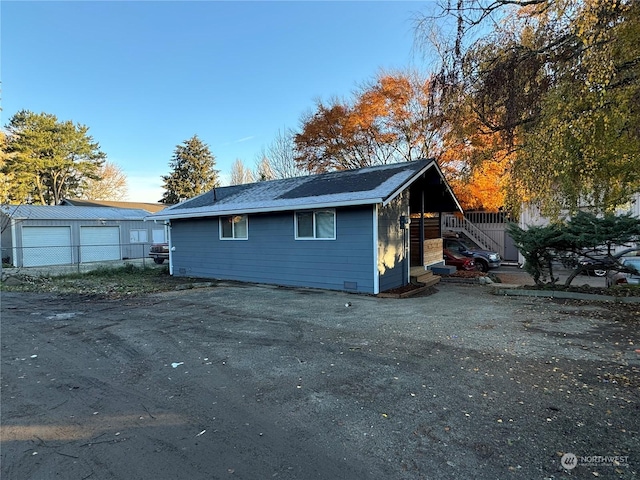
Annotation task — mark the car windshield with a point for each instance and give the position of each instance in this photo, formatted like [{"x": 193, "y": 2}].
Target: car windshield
[
  {"x": 469, "y": 245},
  {"x": 632, "y": 262}
]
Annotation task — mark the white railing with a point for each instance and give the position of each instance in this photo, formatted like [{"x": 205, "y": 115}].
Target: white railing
[{"x": 461, "y": 224}]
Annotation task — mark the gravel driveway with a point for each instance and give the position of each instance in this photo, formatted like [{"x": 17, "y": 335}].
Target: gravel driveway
[{"x": 259, "y": 382}]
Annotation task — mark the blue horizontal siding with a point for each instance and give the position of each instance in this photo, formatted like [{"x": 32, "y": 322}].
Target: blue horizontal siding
[
  {"x": 272, "y": 255},
  {"x": 390, "y": 236}
]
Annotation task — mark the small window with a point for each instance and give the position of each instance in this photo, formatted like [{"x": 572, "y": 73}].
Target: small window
[
  {"x": 234, "y": 227},
  {"x": 158, "y": 236},
  {"x": 320, "y": 224},
  {"x": 138, "y": 236}
]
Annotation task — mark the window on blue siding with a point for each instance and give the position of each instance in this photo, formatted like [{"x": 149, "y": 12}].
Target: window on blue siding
[
  {"x": 320, "y": 224},
  {"x": 305, "y": 225},
  {"x": 234, "y": 227}
]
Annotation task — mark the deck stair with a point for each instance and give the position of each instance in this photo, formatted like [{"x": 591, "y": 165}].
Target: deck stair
[
  {"x": 453, "y": 223},
  {"x": 420, "y": 275}
]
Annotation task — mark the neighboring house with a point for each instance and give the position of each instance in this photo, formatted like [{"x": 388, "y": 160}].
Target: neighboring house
[
  {"x": 531, "y": 216},
  {"x": 149, "y": 207},
  {"x": 62, "y": 235},
  {"x": 489, "y": 229},
  {"x": 345, "y": 230}
]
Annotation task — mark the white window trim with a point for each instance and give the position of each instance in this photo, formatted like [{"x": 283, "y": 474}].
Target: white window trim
[
  {"x": 233, "y": 230},
  {"x": 295, "y": 224}
]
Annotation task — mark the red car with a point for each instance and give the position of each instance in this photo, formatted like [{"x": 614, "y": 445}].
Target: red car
[{"x": 458, "y": 260}]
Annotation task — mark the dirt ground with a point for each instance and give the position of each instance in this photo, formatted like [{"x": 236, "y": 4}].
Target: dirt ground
[{"x": 259, "y": 382}]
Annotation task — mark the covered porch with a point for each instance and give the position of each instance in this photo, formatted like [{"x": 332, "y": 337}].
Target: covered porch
[{"x": 429, "y": 198}]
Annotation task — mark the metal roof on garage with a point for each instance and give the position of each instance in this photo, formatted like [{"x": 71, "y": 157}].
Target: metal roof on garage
[
  {"x": 370, "y": 185},
  {"x": 63, "y": 212},
  {"x": 149, "y": 207}
]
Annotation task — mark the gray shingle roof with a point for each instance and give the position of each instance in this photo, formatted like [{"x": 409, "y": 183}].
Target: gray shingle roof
[
  {"x": 65, "y": 212},
  {"x": 350, "y": 187}
]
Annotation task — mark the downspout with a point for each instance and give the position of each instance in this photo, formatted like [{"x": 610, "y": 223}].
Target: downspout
[
  {"x": 170, "y": 248},
  {"x": 422, "y": 227}
]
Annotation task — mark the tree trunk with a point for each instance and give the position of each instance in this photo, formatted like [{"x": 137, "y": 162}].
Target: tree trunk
[{"x": 574, "y": 274}]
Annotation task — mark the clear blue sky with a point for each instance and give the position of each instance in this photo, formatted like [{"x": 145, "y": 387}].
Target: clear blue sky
[{"x": 145, "y": 76}]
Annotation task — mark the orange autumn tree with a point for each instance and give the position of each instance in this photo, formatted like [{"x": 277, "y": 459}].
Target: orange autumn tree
[
  {"x": 389, "y": 120},
  {"x": 400, "y": 117},
  {"x": 475, "y": 158},
  {"x": 560, "y": 81},
  {"x": 476, "y": 161},
  {"x": 484, "y": 188},
  {"x": 401, "y": 106}
]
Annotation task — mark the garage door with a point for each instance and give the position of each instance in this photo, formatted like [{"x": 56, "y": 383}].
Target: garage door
[
  {"x": 99, "y": 243},
  {"x": 46, "y": 246}
]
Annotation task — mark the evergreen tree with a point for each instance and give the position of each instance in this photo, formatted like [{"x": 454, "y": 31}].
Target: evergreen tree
[
  {"x": 584, "y": 236},
  {"x": 5, "y": 178},
  {"x": 192, "y": 173},
  {"x": 47, "y": 160}
]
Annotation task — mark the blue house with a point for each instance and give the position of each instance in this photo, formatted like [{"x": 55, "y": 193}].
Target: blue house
[{"x": 346, "y": 230}]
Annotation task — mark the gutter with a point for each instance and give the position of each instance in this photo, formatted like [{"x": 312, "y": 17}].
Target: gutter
[{"x": 189, "y": 213}]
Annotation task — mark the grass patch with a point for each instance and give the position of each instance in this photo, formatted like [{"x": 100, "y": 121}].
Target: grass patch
[
  {"x": 125, "y": 271},
  {"x": 615, "y": 291},
  {"x": 625, "y": 290},
  {"x": 104, "y": 281}
]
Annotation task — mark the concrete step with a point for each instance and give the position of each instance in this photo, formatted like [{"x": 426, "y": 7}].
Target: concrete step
[{"x": 443, "y": 269}]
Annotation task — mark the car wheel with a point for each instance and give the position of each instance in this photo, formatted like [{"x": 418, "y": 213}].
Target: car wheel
[
  {"x": 599, "y": 273},
  {"x": 159, "y": 261},
  {"x": 482, "y": 266}
]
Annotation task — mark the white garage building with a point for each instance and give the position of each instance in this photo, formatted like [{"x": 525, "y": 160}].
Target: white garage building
[{"x": 63, "y": 235}]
